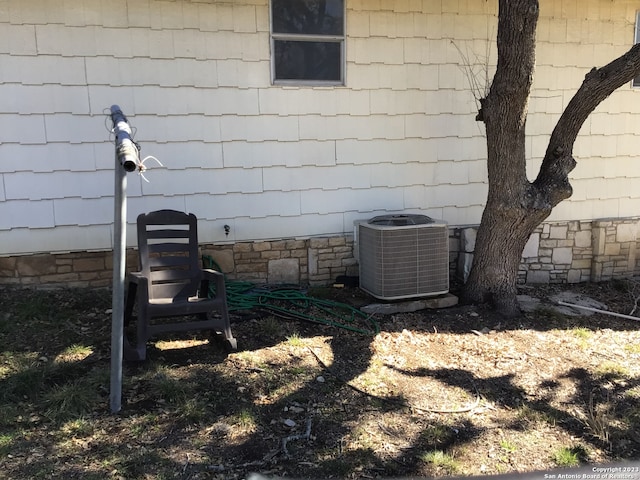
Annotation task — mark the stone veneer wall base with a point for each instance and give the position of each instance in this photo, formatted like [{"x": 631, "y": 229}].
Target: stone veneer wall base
[{"x": 557, "y": 252}]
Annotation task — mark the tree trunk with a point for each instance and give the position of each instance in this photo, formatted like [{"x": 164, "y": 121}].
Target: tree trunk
[
  {"x": 515, "y": 206},
  {"x": 505, "y": 225}
]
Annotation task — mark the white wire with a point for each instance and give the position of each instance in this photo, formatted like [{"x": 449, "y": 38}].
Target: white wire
[{"x": 143, "y": 168}]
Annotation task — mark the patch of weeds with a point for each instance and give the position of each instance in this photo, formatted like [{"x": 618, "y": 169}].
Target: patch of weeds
[
  {"x": 633, "y": 393},
  {"x": 244, "y": 356},
  {"x": 163, "y": 386},
  {"x": 440, "y": 459},
  {"x": 598, "y": 419},
  {"x": 74, "y": 353},
  {"x": 632, "y": 416},
  {"x": 26, "y": 379},
  {"x": 569, "y": 456},
  {"x": 192, "y": 410},
  {"x": 9, "y": 413},
  {"x": 245, "y": 418},
  {"x": 612, "y": 369},
  {"x": 79, "y": 427},
  {"x": 582, "y": 333},
  {"x": 363, "y": 437},
  {"x": 6, "y": 442},
  {"x": 632, "y": 348},
  {"x": 507, "y": 446},
  {"x": 297, "y": 370},
  {"x": 295, "y": 340},
  {"x": 142, "y": 425},
  {"x": 527, "y": 414},
  {"x": 70, "y": 400},
  {"x": 37, "y": 307},
  {"x": 270, "y": 326},
  {"x": 436, "y": 434}
]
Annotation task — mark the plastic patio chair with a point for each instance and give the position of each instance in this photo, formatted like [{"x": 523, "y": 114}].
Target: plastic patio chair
[{"x": 171, "y": 283}]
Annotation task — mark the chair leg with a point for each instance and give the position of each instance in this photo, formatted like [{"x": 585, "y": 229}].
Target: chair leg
[
  {"x": 232, "y": 343},
  {"x": 142, "y": 332},
  {"x": 130, "y": 300},
  {"x": 130, "y": 354},
  {"x": 223, "y": 327}
]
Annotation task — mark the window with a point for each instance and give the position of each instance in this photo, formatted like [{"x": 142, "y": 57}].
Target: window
[
  {"x": 307, "y": 41},
  {"x": 636, "y": 81}
]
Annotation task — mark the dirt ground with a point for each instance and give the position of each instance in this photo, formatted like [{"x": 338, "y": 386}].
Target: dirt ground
[{"x": 457, "y": 391}]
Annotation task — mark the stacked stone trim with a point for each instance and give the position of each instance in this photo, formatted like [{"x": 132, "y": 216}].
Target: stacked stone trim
[
  {"x": 568, "y": 252},
  {"x": 557, "y": 252},
  {"x": 76, "y": 269},
  {"x": 314, "y": 261}
]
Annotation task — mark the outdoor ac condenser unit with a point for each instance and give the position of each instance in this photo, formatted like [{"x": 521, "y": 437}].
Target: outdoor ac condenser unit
[{"x": 403, "y": 256}]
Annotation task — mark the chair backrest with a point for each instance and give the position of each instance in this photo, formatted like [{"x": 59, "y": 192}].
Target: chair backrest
[{"x": 168, "y": 253}]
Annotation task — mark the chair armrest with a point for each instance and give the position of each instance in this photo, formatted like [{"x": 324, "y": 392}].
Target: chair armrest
[
  {"x": 138, "y": 283},
  {"x": 135, "y": 280},
  {"x": 135, "y": 277},
  {"x": 210, "y": 275}
]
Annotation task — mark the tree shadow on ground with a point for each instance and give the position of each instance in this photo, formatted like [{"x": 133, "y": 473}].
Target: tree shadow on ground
[
  {"x": 595, "y": 427},
  {"x": 185, "y": 415}
]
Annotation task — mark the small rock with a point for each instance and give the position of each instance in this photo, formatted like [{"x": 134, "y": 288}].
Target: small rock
[
  {"x": 289, "y": 423},
  {"x": 320, "y": 379},
  {"x": 220, "y": 428}
]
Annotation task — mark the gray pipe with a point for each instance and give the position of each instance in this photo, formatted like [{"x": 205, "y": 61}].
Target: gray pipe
[{"x": 126, "y": 161}]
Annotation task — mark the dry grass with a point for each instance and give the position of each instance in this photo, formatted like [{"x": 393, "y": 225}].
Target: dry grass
[{"x": 425, "y": 397}]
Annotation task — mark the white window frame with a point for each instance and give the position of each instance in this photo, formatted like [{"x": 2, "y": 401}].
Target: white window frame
[{"x": 341, "y": 39}]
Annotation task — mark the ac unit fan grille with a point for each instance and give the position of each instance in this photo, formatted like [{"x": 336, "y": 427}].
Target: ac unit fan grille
[{"x": 404, "y": 262}]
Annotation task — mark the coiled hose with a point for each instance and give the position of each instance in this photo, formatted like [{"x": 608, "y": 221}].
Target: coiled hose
[{"x": 293, "y": 302}]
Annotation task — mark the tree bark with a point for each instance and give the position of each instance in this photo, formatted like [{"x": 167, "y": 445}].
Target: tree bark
[{"x": 515, "y": 206}]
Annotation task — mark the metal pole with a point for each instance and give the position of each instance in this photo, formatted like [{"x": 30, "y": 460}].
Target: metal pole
[
  {"x": 117, "y": 307},
  {"x": 126, "y": 161}
]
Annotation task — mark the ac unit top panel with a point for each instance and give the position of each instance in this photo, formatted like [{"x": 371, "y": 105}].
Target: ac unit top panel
[{"x": 433, "y": 224}]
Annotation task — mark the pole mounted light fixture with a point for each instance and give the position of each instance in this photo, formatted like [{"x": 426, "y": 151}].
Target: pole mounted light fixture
[
  {"x": 127, "y": 152},
  {"x": 127, "y": 158}
]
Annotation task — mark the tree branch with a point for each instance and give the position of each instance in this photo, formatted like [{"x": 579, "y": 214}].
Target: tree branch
[{"x": 598, "y": 84}]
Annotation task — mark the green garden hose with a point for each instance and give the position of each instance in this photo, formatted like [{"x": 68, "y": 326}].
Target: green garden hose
[{"x": 293, "y": 302}]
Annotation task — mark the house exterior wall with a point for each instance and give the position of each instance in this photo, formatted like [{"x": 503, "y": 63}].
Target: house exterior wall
[{"x": 283, "y": 162}]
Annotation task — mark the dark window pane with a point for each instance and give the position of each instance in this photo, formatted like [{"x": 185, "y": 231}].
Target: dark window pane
[
  {"x": 636, "y": 82},
  {"x": 311, "y": 17},
  {"x": 307, "y": 60}
]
